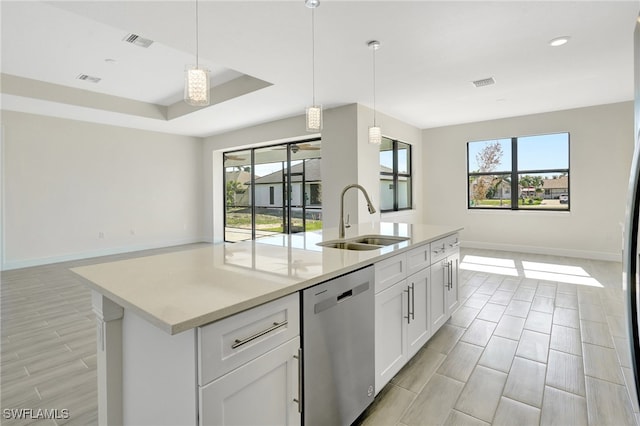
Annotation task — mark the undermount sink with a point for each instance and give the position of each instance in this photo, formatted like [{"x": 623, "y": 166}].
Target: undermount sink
[
  {"x": 348, "y": 245},
  {"x": 380, "y": 240},
  {"x": 364, "y": 242}
]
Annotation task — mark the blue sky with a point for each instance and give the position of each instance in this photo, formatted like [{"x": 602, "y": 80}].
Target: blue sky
[{"x": 534, "y": 152}]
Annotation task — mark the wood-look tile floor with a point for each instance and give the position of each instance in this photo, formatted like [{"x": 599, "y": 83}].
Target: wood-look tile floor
[
  {"x": 536, "y": 340},
  {"x": 48, "y": 343},
  {"x": 527, "y": 346}
]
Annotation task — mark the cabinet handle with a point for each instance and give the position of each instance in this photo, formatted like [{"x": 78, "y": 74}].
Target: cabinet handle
[
  {"x": 413, "y": 301},
  {"x": 408, "y": 317},
  {"x": 446, "y": 265},
  {"x": 275, "y": 326},
  {"x": 299, "y": 399},
  {"x": 456, "y": 244},
  {"x": 440, "y": 250}
]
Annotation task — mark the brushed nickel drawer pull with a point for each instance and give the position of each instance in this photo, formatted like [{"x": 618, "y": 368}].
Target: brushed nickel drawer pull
[
  {"x": 298, "y": 400},
  {"x": 413, "y": 301},
  {"x": 408, "y": 317},
  {"x": 275, "y": 326}
]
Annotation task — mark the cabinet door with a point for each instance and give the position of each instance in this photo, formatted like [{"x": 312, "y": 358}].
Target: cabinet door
[
  {"x": 452, "y": 293},
  {"x": 438, "y": 294},
  {"x": 262, "y": 392},
  {"x": 390, "y": 332},
  {"x": 418, "y": 326}
]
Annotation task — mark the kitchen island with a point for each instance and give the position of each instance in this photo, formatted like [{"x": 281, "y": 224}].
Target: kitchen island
[{"x": 154, "y": 312}]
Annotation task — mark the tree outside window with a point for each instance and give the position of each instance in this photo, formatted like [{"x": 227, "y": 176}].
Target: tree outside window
[{"x": 529, "y": 172}]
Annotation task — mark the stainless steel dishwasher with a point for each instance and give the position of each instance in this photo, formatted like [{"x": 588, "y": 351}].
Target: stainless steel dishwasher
[{"x": 338, "y": 349}]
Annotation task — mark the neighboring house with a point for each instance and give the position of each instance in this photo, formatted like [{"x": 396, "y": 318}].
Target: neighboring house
[
  {"x": 554, "y": 187},
  {"x": 502, "y": 189},
  {"x": 269, "y": 188},
  {"x": 386, "y": 188},
  {"x": 498, "y": 189}
]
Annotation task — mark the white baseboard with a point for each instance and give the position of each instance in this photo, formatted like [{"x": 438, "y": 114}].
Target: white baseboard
[
  {"x": 581, "y": 254},
  {"x": 26, "y": 263}
]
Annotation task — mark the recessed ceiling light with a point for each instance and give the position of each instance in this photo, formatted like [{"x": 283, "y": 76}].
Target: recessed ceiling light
[
  {"x": 559, "y": 41},
  {"x": 110, "y": 61}
]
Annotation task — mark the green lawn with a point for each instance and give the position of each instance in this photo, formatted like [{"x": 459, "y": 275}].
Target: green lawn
[
  {"x": 507, "y": 203},
  {"x": 266, "y": 222}
]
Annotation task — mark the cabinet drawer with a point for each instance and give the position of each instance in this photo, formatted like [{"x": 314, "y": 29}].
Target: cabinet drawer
[
  {"x": 418, "y": 259},
  {"x": 390, "y": 271},
  {"x": 444, "y": 247},
  {"x": 452, "y": 243},
  {"x": 438, "y": 250},
  {"x": 229, "y": 343}
]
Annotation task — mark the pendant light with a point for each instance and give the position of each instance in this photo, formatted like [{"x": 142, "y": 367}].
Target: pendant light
[
  {"x": 375, "y": 133},
  {"x": 196, "y": 88},
  {"x": 313, "y": 112}
]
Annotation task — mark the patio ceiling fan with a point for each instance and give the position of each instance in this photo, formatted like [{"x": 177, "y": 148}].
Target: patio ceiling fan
[{"x": 301, "y": 147}]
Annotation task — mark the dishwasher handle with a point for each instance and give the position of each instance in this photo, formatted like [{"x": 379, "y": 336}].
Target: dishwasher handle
[{"x": 342, "y": 297}]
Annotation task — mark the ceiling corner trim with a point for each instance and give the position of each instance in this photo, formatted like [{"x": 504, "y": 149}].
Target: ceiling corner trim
[
  {"x": 235, "y": 88},
  {"x": 36, "y": 89}
]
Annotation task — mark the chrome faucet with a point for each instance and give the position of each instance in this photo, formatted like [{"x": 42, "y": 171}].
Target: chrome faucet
[{"x": 372, "y": 209}]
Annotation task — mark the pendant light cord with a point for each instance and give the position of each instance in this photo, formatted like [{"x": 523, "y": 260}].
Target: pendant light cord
[
  {"x": 374, "y": 87},
  {"x": 313, "y": 58},
  {"x": 197, "y": 62}
]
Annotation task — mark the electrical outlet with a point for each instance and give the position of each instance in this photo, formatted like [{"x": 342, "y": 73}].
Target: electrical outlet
[
  {"x": 101, "y": 235},
  {"x": 132, "y": 232}
]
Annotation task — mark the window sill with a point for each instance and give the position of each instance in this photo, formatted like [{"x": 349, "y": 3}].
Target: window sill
[{"x": 521, "y": 211}]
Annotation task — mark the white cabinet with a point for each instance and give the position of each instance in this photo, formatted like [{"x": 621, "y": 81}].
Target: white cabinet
[
  {"x": 390, "y": 332},
  {"x": 418, "y": 321},
  {"x": 250, "y": 368},
  {"x": 453, "y": 299},
  {"x": 261, "y": 392},
  {"x": 445, "y": 254},
  {"x": 438, "y": 292},
  {"x": 402, "y": 324}
]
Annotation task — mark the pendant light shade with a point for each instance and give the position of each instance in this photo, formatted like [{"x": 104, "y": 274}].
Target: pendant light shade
[
  {"x": 196, "y": 84},
  {"x": 196, "y": 88},
  {"x": 314, "y": 118},
  {"x": 313, "y": 112},
  {"x": 375, "y": 135},
  {"x": 375, "y": 132}
]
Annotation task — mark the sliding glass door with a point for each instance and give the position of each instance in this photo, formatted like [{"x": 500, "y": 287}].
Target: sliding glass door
[{"x": 273, "y": 190}]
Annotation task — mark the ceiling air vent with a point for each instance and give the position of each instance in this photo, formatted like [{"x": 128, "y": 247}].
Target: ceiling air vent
[
  {"x": 137, "y": 40},
  {"x": 484, "y": 82},
  {"x": 89, "y": 78}
]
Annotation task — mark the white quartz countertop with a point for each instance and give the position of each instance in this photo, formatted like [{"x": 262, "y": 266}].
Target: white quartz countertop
[{"x": 185, "y": 289}]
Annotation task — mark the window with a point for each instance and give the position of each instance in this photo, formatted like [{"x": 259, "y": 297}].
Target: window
[
  {"x": 272, "y": 190},
  {"x": 395, "y": 175},
  {"x": 520, "y": 173}
]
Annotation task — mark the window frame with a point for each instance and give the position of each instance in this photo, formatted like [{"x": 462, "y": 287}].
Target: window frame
[
  {"x": 395, "y": 175},
  {"x": 287, "y": 208},
  {"x": 514, "y": 174}
]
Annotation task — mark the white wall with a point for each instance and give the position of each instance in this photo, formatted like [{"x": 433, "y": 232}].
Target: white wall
[
  {"x": 67, "y": 181},
  {"x": 347, "y": 157},
  {"x": 601, "y": 147},
  {"x": 368, "y": 166}
]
